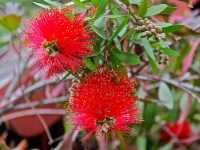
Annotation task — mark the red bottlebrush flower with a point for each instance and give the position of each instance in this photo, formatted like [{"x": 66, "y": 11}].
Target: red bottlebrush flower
[
  {"x": 58, "y": 42},
  {"x": 105, "y": 101},
  {"x": 180, "y": 131}
]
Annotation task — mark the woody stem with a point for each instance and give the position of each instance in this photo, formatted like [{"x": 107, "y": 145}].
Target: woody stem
[{"x": 102, "y": 140}]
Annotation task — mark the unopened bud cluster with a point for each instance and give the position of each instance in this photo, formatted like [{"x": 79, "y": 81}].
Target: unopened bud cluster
[
  {"x": 162, "y": 58},
  {"x": 148, "y": 28}
]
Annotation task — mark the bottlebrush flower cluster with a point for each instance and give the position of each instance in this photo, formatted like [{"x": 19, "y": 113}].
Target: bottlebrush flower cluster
[
  {"x": 104, "y": 100},
  {"x": 58, "y": 42},
  {"x": 179, "y": 130}
]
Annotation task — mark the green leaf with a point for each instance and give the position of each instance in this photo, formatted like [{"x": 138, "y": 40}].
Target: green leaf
[
  {"x": 99, "y": 32},
  {"x": 154, "y": 65},
  {"x": 170, "y": 52},
  {"x": 163, "y": 46},
  {"x": 184, "y": 50},
  {"x": 172, "y": 28},
  {"x": 42, "y": 5},
  {"x": 127, "y": 58},
  {"x": 98, "y": 60},
  {"x": 99, "y": 22},
  {"x": 79, "y": 3},
  {"x": 165, "y": 95},
  {"x": 116, "y": 63},
  {"x": 52, "y": 3},
  {"x": 101, "y": 7},
  {"x": 4, "y": 32},
  {"x": 136, "y": 2},
  {"x": 10, "y": 22},
  {"x": 117, "y": 43},
  {"x": 119, "y": 29},
  {"x": 143, "y": 7},
  {"x": 163, "y": 24},
  {"x": 149, "y": 114},
  {"x": 167, "y": 147},
  {"x": 148, "y": 48},
  {"x": 168, "y": 10},
  {"x": 3, "y": 43},
  {"x": 149, "y": 51},
  {"x": 89, "y": 64},
  {"x": 155, "y": 10},
  {"x": 141, "y": 143},
  {"x": 70, "y": 3},
  {"x": 95, "y": 2},
  {"x": 114, "y": 9},
  {"x": 126, "y": 2}
]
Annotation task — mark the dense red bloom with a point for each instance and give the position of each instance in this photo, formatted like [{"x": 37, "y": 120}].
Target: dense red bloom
[
  {"x": 181, "y": 131},
  {"x": 58, "y": 42},
  {"x": 104, "y": 100}
]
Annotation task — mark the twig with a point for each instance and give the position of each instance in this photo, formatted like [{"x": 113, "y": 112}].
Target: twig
[
  {"x": 170, "y": 81},
  {"x": 30, "y": 112},
  {"x": 35, "y": 104},
  {"x": 41, "y": 102},
  {"x": 14, "y": 47},
  {"x": 102, "y": 141},
  {"x": 12, "y": 86},
  {"x": 14, "y": 83},
  {"x": 185, "y": 110},
  {"x": 175, "y": 139},
  {"x": 57, "y": 139},
  {"x": 68, "y": 140},
  {"x": 42, "y": 121},
  {"x": 8, "y": 103},
  {"x": 141, "y": 68},
  {"x": 122, "y": 6},
  {"x": 175, "y": 83},
  {"x": 172, "y": 135}
]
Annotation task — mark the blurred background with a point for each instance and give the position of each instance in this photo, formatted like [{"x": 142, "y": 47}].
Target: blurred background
[
  {"x": 22, "y": 90},
  {"x": 33, "y": 110}
]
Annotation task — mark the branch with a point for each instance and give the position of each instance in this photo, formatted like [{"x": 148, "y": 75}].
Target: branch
[
  {"x": 68, "y": 140},
  {"x": 17, "y": 77},
  {"x": 35, "y": 104},
  {"x": 8, "y": 104},
  {"x": 102, "y": 140},
  {"x": 42, "y": 121},
  {"x": 30, "y": 112},
  {"x": 183, "y": 86},
  {"x": 122, "y": 6},
  {"x": 41, "y": 102}
]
